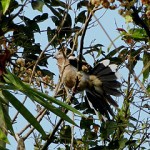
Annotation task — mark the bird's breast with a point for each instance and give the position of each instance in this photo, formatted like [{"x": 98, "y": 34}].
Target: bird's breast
[{"x": 69, "y": 76}]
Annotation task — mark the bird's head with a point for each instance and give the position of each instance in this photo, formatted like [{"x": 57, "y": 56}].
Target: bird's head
[
  {"x": 63, "y": 54},
  {"x": 59, "y": 55}
]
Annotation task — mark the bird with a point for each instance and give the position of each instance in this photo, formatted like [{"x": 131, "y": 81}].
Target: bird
[{"x": 100, "y": 82}]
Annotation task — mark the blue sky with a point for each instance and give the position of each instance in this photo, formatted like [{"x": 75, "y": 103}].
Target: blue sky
[{"x": 108, "y": 20}]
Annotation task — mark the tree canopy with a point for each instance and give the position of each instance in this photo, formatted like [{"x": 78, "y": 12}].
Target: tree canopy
[{"x": 28, "y": 89}]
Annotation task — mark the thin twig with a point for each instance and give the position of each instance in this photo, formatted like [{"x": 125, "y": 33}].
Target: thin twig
[
  {"x": 50, "y": 137},
  {"x": 16, "y": 115},
  {"x": 104, "y": 30},
  {"x": 28, "y": 125},
  {"x": 140, "y": 83},
  {"x": 21, "y": 9},
  {"x": 32, "y": 129},
  {"x": 139, "y": 21},
  {"x": 72, "y": 134},
  {"x": 39, "y": 58},
  {"x": 89, "y": 16}
]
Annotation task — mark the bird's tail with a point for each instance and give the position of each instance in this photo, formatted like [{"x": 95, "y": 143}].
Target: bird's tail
[{"x": 105, "y": 84}]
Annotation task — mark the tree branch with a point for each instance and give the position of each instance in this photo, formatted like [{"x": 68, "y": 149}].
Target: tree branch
[
  {"x": 51, "y": 135},
  {"x": 140, "y": 21}
]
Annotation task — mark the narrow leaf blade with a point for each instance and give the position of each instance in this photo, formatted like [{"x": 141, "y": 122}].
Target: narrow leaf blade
[{"x": 24, "y": 111}]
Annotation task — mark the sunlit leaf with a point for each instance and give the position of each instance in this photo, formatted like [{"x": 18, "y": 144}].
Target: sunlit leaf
[
  {"x": 5, "y": 5},
  {"x": 128, "y": 19},
  {"x": 3, "y": 137},
  {"x": 3, "y": 125},
  {"x": 122, "y": 143},
  {"x": 138, "y": 34}
]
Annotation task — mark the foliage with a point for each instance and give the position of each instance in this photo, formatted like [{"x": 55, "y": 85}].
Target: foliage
[{"x": 24, "y": 74}]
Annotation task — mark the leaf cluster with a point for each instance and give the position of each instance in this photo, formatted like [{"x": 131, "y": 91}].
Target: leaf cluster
[{"x": 24, "y": 69}]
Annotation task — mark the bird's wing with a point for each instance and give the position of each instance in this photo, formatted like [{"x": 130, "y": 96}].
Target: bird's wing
[
  {"x": 104, "y": 80},
  {"x": 99, "y": 103},
  {"x": 75, "y": 62}
]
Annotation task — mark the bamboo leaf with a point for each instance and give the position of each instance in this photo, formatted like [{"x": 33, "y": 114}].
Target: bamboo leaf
[
  {"x": 3, "y": 125},
  {"x": 50, "y": 107},
  {"x": 24, "y": 111},
  {"x": 60, "y": 103},
  {"x": 5, "y": 5},
  {"x": 24, "y": 88},
  {"x": 5, "y": 116}
]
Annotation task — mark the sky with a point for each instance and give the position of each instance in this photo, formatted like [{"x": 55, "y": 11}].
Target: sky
[{"x": 110, "y": 21}]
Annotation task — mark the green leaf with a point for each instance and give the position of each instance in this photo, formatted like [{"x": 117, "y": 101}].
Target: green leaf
[
  {"x": 81, "y": 17},
  {"x": 146, "y": 61},
  {"x": 58, "y": 102},
  {"x": 31, "y": 24},
  {"x": 68, "y": 21},
  {"x": 49, "y": 106},
  {"x": 10, "y": 78},
  {"x": 3, "y": 137},
  {"x": 113, "y": 52},
  {"x": 50, "y": 34},
  {"x": 26, "y": 89},
  {"x": 55, "y": 12},
  {"x": 55, "y": 20},
  {"x": 40, "y": 97},
  {"x": 82, "y": 3},
  {"x": 41, "y": 18},
  {"x": 7, "y": 87},
  {"x": 86, "y": 123},
  {"x": 138, "y": 34},
  {"x": 2, "y": 148},
  {"x": 51, "y": 99},
  {"x": 107, "y": 128},
  {"x": 148, "y": 88},
  {"x": 65, "y": 134},
  {"x": 59, "y": 3},
  {"x": 5, "y": 5},
  {"x": 24, "y": 111},
  {"x": 37, "y": 5},
  {"x": 128, "y": 19},
  {"x": 122, "y": 143},
  {"x": 3, "y": 127},
  {"x": 4, "y": 116}
]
